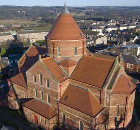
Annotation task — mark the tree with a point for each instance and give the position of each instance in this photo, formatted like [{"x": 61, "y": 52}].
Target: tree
[{"x": 3, "y": 51}]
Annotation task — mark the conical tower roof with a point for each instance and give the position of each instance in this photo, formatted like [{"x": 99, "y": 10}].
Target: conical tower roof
[{"x": 65, "y": 28}]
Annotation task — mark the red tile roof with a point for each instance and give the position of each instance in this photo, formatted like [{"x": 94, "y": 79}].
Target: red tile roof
[
  {"x": 92, "y": 70},
  {"x": 65, "y": 28},
  {"x": 19, "y": 79},
  {"x": 40, "y": 108},
  {"x": 67, "y": 63},
  {"x": 102, "y": 118},
  {"x": 123, "y": 86},
  {"x": 54, "y": 69},
  {"x": 81, "y": 100},
  {"x": 11, "y": 93},
  {"x": 31, "y": 57},
  {"x": 104, "y": 56}
]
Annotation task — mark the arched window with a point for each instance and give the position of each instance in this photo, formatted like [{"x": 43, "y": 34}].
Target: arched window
[
  {"x": 80, "y": 125},
  {"x": 45, "y": 121},
  {"x": 63, "y": 119},
  {"x": 41, "y": 95},
  {"x": 48, "y": 98},
  {"x": 47, "y": 83},
  {"x": 40, "y": 78},
  {"x": 58, "y": 50},
  {"x": 117, "y": 110},
  {"x": 35, "y": 93},
  {"x": 34, "y": 78},
  {"x": 75, "y": 50}
]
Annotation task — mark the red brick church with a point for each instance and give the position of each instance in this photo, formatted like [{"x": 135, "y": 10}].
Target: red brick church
[{"x": 64, "y": 85}]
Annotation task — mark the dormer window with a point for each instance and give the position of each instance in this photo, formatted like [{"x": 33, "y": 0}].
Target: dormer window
[
  {"x": 58, "y": 50},
  {"x": 129, "y": 65},
  {"x": 129, "y": 85},
  {"x": 75, "y": 50},
  {"x": 34, "y": 78},
  {"x": 64, "y": 100}
]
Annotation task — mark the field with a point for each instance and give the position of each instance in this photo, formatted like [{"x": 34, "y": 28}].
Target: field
[{"x": 19, "y": 21}]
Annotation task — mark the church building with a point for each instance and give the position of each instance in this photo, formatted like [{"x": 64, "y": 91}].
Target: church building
[{"x": 64, "y": 85}]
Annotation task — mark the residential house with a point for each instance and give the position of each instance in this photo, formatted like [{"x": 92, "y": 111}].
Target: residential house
[
  {"x": 131, "y": 63},
  {"x": 110, "y": 28}
]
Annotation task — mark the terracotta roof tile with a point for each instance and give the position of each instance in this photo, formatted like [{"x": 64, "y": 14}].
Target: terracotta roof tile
[
  {"x": 31, "y": 57},
  {"x": 19, "y": 79},
  {"x": 11, "y": 93},
  {"x": 65, "y": 28},
  {"x": 40, "y": 108},
  {"x": 54, "y": 69},
  {"x": 76, "y": 98},
  {"x": 104, "y": 56},
  {"x": 123, "y": 86},
  {"x": 92, "y": 70},
  {"x": 102, "y": 118},
  {"x": 67, "y": 63}
]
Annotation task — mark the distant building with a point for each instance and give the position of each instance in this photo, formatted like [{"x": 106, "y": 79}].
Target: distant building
[
  {"x": 16, "y": 25},
  {"x": 131, "y": 63},
  {"x": 111, "y": 28},
  {"x": 97, "y": 29},
  {"x": 132, "y": 48}
]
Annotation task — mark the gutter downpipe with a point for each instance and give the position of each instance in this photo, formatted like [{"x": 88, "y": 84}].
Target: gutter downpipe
[
  {"x": 58, "y": 105},
  {"x": 125, "y": 113}
]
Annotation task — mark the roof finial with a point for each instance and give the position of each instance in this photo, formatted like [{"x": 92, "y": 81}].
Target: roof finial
[{"x": 65, "y": 9}]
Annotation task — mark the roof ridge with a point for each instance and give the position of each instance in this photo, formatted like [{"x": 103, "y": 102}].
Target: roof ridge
[
  {"x": 42, "y": 62},
  {"x": 90, "y": 95},
  {"x": 104, "y": 59},
  {"x": 90, "y": 102}
]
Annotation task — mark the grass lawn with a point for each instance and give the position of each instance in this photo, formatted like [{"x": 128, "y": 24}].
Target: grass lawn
[
  {"x": 13, "y": 114},
  {"x": 42, "y": 28},
  {"x": 19, "y": 21}
]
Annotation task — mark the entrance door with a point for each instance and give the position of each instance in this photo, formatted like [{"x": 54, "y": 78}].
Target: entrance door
[{"x": 35, "y": 119}]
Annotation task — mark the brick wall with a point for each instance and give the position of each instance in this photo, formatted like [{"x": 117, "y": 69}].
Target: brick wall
[
  {"x": 67, "y": 49},
  {"x": 53, "y": 89},
  {"x": 73, "y": 117},
  {"x": 33, "y": 117},
  {"x": 12, "y": 103},
  {"x": 125, "y": 110}
]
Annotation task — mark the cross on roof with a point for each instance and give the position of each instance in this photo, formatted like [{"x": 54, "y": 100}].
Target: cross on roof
[{"x": 66, "y": 11}]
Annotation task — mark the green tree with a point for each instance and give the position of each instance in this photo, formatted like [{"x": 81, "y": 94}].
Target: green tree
[{"x": 3, "y": 51}]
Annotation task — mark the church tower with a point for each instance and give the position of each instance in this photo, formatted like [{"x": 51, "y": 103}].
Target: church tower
[{"x": 65, "y": 40}]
